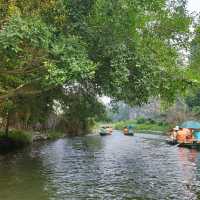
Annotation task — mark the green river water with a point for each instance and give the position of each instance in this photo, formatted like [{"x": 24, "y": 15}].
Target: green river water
[{"x": 142, "y": 167}]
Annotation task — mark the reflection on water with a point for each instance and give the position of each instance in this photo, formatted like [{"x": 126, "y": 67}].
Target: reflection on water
[{"x": 94, "y": 167}]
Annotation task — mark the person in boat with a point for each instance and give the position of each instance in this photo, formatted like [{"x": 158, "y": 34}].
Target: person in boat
[
  {"x": 189, "y": 135},
  {"x": 110, "y": 130},
  {"x": 174, "y": 133},
  {"x": 181, "y": 135},
  {"x": 103, "y": 129},
  {"x": 125, "y": 130},
  {"x": 130, "y": 127}
]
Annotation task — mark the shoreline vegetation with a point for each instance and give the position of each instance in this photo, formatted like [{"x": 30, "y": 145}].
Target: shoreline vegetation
[
  {"x": 16, "y": 138},
  {"x": 142, "y": 125},
  {"x": 20, "y": 138},
  {"x": 59, "y": 59}
]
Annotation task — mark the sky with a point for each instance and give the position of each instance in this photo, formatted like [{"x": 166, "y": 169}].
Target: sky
[{"x": 194, "y": 5}]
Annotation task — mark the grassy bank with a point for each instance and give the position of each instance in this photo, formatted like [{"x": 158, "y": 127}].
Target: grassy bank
[
  {"x": 18, "y": 138},
  {"x": 14, "y": 140},
  {"x": 53, "y": 135},
  {"x": 144, "y": 125}
]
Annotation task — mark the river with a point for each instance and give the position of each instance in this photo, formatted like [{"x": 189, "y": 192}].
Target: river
[{"x": 142, "y": 167}]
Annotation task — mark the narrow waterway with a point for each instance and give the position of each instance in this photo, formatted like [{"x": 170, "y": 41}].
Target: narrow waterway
[{"x": 142, "y": 167}]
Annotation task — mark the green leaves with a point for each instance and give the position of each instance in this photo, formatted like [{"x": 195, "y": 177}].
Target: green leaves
[
  {"x": 136, "y": 44},
  {"x": 24, "y": 46},
  {"x": 31, "y": 31},
  {"x": 69, "y": 61},
  {"x": 125, "y": 49},
  {"x": 114, "y": 46}
]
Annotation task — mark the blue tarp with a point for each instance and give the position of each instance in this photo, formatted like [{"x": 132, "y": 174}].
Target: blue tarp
[
  {"x": 197, "y": 135},
  {"x": 190, "y": 124},
  {"x": 130, "y": 127}
]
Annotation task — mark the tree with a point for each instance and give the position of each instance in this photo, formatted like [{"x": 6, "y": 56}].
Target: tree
[{"x": 127, "y": 50}]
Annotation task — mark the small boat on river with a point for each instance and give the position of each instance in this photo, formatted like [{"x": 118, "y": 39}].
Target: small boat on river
[
  {"x": 188, "y": 135},
  {"x": 171, "y": 142},
  {"x": 190, "y": 145},
  {"x": 105, "y": 130},
  {"x": 128, "y": 130}
]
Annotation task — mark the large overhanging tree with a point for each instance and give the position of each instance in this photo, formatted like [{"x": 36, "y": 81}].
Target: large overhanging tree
[
  {"x": 125, "y": 49},
  {"x": 193, "y": 95}
]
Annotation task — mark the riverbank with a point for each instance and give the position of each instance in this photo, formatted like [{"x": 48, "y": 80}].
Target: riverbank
[
  {"x": 144, "y": 126},
  {"x": 18, "y": 138}
]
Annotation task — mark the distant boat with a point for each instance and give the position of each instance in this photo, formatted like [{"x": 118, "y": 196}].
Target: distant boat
[
  {"x": 128, "y": 130},
  {"x": 105, "y": 130}
]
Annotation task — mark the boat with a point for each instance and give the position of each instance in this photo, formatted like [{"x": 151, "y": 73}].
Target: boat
[
  {"x": 193, "y": 142},
  {"x": 105, "y": 130},
  {"x": 104, "y": 134},
  {"x": 129, "y": 134},
  {"x": 171, "y": 142},
  {"x": 190, "y": 145},
  {"x": 193, "y": 145},
  {"x": 128, "y": 131}
]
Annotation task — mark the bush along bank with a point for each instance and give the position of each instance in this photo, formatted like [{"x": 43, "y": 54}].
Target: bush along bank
[
  {"x": 144, "y": 125},
  {"x": 17, "y": 138},
  {"x": 14, "y": 139}
]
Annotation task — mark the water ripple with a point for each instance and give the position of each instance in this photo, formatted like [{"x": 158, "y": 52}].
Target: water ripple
[{"x": 93, "y": 167}]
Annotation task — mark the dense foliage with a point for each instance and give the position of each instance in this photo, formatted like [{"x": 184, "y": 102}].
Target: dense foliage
[
  {"x": 144, "y": 125},
  {"x": 193, "y": 96},
  {"x": 73, "y": 51}
]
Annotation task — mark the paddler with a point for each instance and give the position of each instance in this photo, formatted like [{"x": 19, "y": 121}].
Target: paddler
[
  {"x": 181, "y": 136},
  {"x": 125, "y": 130}
]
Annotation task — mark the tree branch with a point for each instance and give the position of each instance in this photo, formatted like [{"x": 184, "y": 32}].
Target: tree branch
[
  {"x": 23, "y": 90},
  {"x": 20, "y": 71}
]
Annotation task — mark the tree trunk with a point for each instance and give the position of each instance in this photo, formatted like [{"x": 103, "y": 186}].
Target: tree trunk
[{"x": 7, "y": 124}]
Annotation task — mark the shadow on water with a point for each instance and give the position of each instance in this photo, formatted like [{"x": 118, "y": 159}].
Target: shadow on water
[
  {"x": 21, "y": 177},
  {"x": 8, "y": 145},
  {"x": 93, "y": 167}
]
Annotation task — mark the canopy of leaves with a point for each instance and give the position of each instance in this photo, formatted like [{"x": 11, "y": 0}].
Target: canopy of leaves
[
  {"x": 122, "y": 47},
  {"x": 127, "y": 50}
]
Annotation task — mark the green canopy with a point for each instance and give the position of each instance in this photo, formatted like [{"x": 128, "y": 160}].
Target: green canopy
[{"x": 190, "y": 124}]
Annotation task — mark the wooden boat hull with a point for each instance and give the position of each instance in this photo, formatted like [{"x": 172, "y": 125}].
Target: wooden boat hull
[
  {"x": 129, "y": 134},
  {"x": 190, "y": 145},
  {"x": 104, "y": 134},
  {"x": 172, "y": 142}
]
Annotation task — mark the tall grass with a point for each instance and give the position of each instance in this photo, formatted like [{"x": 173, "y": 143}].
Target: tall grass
[
  {"x": 53, "y": 135},
  {"x": 17, "y": 137},
  {"x": 146, "y": 125},
  {"x": 20, "y": 136}
]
